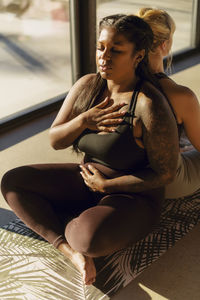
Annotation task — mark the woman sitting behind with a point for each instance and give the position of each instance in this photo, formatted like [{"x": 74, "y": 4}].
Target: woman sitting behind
[{"x": 182, "y": 100}]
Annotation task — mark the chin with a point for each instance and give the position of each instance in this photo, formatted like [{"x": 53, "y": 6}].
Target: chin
[{"x": 105, "y": 75}]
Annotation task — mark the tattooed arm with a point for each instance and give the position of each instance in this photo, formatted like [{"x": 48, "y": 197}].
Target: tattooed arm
[{"x": 160, "y": 139}]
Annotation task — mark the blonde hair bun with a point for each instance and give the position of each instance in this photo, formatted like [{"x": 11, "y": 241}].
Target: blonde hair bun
[{"x": 161, "y": 23}]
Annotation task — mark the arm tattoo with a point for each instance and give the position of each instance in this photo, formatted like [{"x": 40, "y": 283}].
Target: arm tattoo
[{"x": 160, "y": 136}]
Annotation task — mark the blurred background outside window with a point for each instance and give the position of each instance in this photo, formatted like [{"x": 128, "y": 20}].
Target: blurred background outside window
[
  {"x": 35, "y": 58},
  {"x": 180, "y": 10},
  {"x": 35, "y": 63}
]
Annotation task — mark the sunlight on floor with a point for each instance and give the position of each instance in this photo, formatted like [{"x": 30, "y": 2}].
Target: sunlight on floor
[{"x": 152, "y": 294}]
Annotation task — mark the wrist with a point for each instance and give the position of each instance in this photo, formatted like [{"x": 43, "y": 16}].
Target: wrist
[
  {"x": 107, "y": 186},
  {"x": 83, "y": 120}
]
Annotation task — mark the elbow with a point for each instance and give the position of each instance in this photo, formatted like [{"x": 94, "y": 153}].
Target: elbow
[
  {"x": 53, "y": 141},
  {"x": 169, "y": 172},
  {"x": 58, "y": 144},
  {"x": 55, "y": 146},
  {"x": 168, "y": 177}
]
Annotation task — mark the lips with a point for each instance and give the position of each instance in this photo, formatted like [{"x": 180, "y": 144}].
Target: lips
[{"x": 104, "y": 67}]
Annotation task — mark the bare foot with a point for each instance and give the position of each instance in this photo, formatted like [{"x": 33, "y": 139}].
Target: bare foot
[{"x": 84, "y": 264}]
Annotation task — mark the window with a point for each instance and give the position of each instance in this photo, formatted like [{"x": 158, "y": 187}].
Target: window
[
  {"x": 34, "y": 52},
  {"x": 181, "y": 11},
  {"x": 35, "y": 47}
]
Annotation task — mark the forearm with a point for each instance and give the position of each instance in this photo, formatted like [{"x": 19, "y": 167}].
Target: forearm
[
  {"x": 63, "y": 135},
  {"x": 140, "y": 181}
]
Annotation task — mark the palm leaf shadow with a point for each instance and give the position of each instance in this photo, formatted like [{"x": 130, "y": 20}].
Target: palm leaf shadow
[
  {"x": 56, "y": 278},
  {"x": 178, "y": 217},
  {"x": 33, "y": 268}
]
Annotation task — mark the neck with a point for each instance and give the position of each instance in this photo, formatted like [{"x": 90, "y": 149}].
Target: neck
[
  {"x": 156, "y": 62},
  {"x": 122, "y": 86}
]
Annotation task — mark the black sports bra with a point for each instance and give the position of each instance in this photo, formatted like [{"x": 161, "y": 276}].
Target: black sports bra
[{"x": 117, "y": 150}]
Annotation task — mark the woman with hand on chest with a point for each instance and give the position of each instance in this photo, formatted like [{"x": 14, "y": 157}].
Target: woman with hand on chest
[{"x": 128, "y": 134}]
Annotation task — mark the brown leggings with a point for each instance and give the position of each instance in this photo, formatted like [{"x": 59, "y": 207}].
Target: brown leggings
[{"x": 53, "y": 201}]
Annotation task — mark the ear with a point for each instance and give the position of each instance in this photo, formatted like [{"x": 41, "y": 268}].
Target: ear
[
  {"x": 163, "y": 46},
  {"x": 140, "y": 55}
]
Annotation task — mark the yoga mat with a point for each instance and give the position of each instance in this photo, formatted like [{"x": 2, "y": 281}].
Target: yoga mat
[{"x": 32, "y": 269}]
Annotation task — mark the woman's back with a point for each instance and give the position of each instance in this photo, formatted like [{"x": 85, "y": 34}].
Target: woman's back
[{"x": 186, "y": 108}]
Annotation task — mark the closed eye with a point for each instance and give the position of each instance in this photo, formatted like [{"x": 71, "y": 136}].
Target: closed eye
[
  {"x": 101, "y": 48},
  {"x": 116, "y": 51}
]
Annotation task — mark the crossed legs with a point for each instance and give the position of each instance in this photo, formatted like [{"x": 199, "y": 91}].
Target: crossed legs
[{"x": 46, "y": 196}]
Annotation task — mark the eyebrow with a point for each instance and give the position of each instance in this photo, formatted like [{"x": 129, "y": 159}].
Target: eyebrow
[
  {"x": 119, "y": 43},
  {"x": 115, "y": 43}
]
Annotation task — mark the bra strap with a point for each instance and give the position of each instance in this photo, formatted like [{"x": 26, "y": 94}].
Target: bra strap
[{"x": 134, "y": 99}]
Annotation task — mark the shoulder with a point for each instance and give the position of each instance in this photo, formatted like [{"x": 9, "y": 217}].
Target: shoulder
[
  {"x": 152, "y": 105},
  {"x": 80, "y": 85},
  {"x": 84, "y": 80},
  {"x": 184, "y": 92},
  {"x": 173, "y": 89},
  {"x": 187, "y": 103},
  {"x": 88, "y": 77},
  {"x": 182, "y": 97},
  {"x": 150, "y": 95}
]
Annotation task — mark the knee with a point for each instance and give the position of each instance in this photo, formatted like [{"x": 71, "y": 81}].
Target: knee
[
  {"x": 83, "y": 238},
  {"x": 6, "y": 182},
  {"x": 10, "y": 181}
]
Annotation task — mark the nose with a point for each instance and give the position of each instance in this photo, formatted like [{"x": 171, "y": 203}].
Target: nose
[{"x": 106, "y": 54}]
